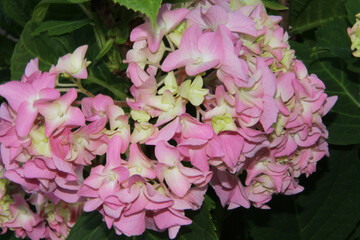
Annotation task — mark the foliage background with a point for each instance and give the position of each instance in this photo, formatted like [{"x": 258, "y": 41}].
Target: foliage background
[{"x": 328, "y": 208}]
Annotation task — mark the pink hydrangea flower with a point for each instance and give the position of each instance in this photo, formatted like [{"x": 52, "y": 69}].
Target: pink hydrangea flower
[{"x": 73, "y": 64}]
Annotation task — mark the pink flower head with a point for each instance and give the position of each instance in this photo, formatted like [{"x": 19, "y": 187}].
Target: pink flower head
[
  {"x": 59, "y": 113},
  {"x": 73, "y": 64},
  {"x": 105, "y": 181},
  {"x": 139, "y": 164},
  {"x": 23, "y": 96},
  {"x": 177, "y": 177},
  {"x": 25, "y": 222},
  {"x": 166, "y": 21},
  {"x": 229, "y": 189},
  {"x": 217, "y": 14},
  {"x": 198, "y": 52}
]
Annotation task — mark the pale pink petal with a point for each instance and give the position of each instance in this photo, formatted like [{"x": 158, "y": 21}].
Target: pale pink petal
[
  {"x": 169, "y": 218},
  {"x": 113, "y": 152},
  {"x": 92, "y": 204},
  {"x": 25, "y": 118},
  {"x": 132, "y": 224},
  {"x": 270, "y": 112},
  {"x": 167, "y": 154},
  {"x": 177, "y": 182},
  {"x": 16, "y": 92}
]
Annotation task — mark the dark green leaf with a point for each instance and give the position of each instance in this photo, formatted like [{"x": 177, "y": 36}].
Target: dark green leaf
[
  {"x": 296, "y": 8},
  {"x": 318, "y": 12},
  {"x": 343, "y": 121},
  {"x": 6, "y": 49},
  {"x": 48, "y": 49},
  {"x": 19, "y": 10},
  {"x": 9, "y": 235},
  {"x": 149, "y": 7},
  {"x": 89, "y": 226},
  {"x": 274, "y": 5},
  {"x": 328, "y": 209},
  {"x": 4, "y": 75},
  {"x": 55, "y": 28},
  {"x": 79, "y": 1},
  {"x": 174, "y": 1},
  {"x": 64, "y": 1},
  {"x": 106, "y": 48},
  {"x": 352, "y": 8},
  {"x": 332, "y": 36},
  {"x": 344, "y": 118},
  {"x": 21, "y": 56},
  {"x": 9, "y": 25},
  {"x": 100, "y": 75},
  {"x": 42, "y": 8},
  {"x": 39, "y": 12},
  {"x": 355, "y": 235},
  {"x": 202, "y": 227}
]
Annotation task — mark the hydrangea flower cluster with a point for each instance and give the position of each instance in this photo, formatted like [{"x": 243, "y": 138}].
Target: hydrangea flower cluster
[{"x": 217, "y": 94}]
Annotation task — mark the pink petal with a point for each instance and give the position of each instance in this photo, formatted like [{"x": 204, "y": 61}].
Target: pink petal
[
  {"x": 16, "y": 92},
  {"x": 67, "y": 195},
  {"x": 169, "y": 218},
  {"x": 166, "y": 133},
  {"x": 25, "y": 118},
  {"x": 167, "y": 154},
  {"x": 32, "y": 171},
  {"x": 68, "y": 98},
  {"x": 32, "y": 66},
  {"x": 92, "y": 204},
  {"x": 49, "y": 94},
  {"x": 270, "y": 112},
  {"x": 241, "y": 23},
  {"x": 173, "y": 17},
  {"x": 199, "y": 158},
  {"x": 132, "y": 224},
  {"x": 177, "y": 182},
  {"x": 113, "y": 152}
]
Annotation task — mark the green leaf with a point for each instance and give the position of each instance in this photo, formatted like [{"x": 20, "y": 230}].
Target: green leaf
[
  {"x": 9, "y": 25},
  {"x": 149, "y": 7},
  {"x": 332, "y": 36},
  {"x": 20, "y": 57},
  {"x": 202, "y": 227},
  {"x": 19, "y": 10},
  {"x": 174, "y": 1},
  {"x": 352, "y": 8},
  {"x": 9, "y": 235},
  {"x": 106, "y": 48},
  {"x": 48, "y": 49},
  {"x": 6, "y": 49},
  {"x": 55, "y": 28},
  {"x": 343, "y": 121},
  {"x": 274, "y": 5},
  {"x": 355, "y": 235},
  {"x": 328, "y": 209},
  {"x": 99, "y": 75},
  {"x": 79, "y": 1},
  {"x": 296, "y": 8},
  {"x": 42, "y": 7},
  {"x": 89, "y": 226},
  {"x": 39, "y": 12},
  {"x": 317, "y": 13}
]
